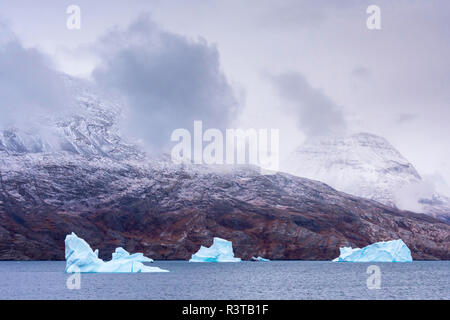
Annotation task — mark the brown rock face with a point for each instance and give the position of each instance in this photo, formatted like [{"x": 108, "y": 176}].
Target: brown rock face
[{"x": 167, "y": 212}]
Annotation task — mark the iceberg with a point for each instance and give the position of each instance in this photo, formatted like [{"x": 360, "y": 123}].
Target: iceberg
[
  {"x": 384, "y": 251},
  {"x": 220, "y": 251},
  {"x": 259, "y": 259},
  {"x": 81, "y": 258},
  {"x": 121, "y": 253}
]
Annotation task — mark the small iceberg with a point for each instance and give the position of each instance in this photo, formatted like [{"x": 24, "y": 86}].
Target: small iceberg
[
  {"x": 259, "y": 259},
  {"x": 81, "y": 258},
  {"x": 220, "y": 251},
  {"x": 384, "y": 251}
]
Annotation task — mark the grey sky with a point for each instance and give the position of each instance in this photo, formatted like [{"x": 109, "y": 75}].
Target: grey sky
[
  {"x": 393, "y": 82},
  {"x": 317, "y": 115}
]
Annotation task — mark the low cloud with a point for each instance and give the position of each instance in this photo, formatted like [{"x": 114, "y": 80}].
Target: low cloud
[
  {"x": 411, "y": 197},
  {"x": 167, "y": 80},
  {"x": 316, "y": 114},
  {"x": 30, "y": 88},
  {"x": 408, "y": 197}
]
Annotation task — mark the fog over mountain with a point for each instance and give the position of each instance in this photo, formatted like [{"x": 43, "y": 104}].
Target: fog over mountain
[
  {"x": 167, "y": 80},
  {"x": 369, "y": 166},
  {"x": 86, "y": 117},
  {"x": 111, "y": 193},
  {"x": 389, "y": 82}
]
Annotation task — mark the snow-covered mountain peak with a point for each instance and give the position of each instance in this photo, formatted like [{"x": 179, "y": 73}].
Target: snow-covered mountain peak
[
  {"x": 358, "y": 150},
  {"x": 362, "y": 164}
]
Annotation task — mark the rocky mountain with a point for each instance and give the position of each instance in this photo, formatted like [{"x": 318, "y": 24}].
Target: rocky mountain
[
  {"x": 82, "y": 177},
  {"x": 87, "y": 127},
  {"x": 368, "y": 166}
]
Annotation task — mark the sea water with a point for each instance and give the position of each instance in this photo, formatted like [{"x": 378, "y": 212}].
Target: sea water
[{"x": 243, "y": 280}]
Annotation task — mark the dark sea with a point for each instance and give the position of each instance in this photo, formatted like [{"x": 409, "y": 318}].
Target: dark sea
[{"x": 244, "y": 280}]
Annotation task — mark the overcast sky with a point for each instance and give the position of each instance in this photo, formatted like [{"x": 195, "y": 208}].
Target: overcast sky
[{"x": 256, "y": 55}]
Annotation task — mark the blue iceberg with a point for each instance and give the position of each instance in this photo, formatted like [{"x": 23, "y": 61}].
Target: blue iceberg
[
  {"x": 81, "y": 258},
  {"x": 259, "y": 259},
  {"x": 385, "y": 251},
  {"x": 122, "y": 254},
  {"x": 220, "y": 251}
]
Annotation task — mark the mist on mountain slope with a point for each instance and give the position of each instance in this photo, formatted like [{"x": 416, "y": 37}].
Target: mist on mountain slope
[{"x": 367, "y": 165}]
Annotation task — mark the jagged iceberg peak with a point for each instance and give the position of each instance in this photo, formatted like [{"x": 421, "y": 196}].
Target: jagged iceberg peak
[
  {"x": 220, "y": 251},
  {"x": 81, "y": 258},
  {"x": 384, "y": 251}
]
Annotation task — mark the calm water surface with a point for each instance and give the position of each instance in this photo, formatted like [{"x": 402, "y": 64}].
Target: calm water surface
[{"x": 245, "y": 280}]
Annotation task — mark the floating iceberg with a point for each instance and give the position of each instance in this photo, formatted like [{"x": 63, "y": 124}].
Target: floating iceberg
[
  {"x": 220, "y": 251},
  {"x": 260, "y": 259},
  {"x": 81, "y": 258},
  {"x": 385, "y": 251}
]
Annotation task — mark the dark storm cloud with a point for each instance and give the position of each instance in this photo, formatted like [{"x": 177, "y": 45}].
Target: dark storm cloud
[
  {"x": 316, "y": 114},
  {"x": 168, "y": 81},
  {"x": 29, "y": 87}
]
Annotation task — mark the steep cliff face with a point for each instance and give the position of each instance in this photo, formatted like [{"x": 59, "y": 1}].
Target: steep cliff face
[
  {"x": 82, "y": 177},
  {"x": 365, "y": 165}
]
